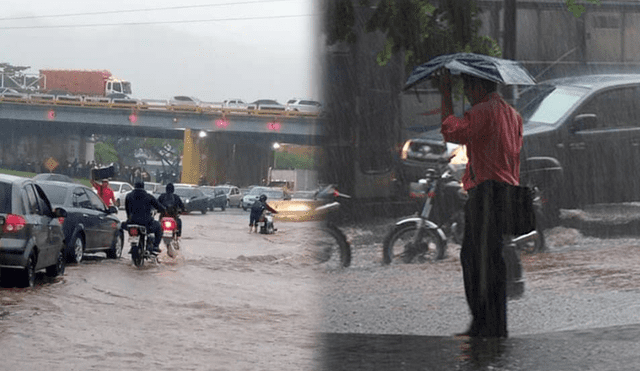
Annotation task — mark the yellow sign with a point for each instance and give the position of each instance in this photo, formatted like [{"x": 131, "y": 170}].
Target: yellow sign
[{"x": 51, "y": 164}]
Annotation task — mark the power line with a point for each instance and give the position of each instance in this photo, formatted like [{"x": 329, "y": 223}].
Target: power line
[
  {"x": 140, "y": 10},
  {"x": 154, "y": 22}
]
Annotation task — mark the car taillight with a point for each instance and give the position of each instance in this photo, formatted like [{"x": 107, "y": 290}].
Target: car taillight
[
  {"x": 168, "y": 224},
  {"x": 133, "y": 232},
  {"x": 13, "y": 223}
]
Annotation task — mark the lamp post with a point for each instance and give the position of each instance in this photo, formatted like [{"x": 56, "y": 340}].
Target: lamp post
[{"x": 276, "y": 145}]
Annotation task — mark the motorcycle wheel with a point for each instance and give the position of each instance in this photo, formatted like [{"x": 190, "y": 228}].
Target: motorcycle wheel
[
  {"x": 171, "y": 250},
  {"x": 137, "y": 255},
  {"x": 330, "y": 247},
  {"x": 397, "y": 245}
]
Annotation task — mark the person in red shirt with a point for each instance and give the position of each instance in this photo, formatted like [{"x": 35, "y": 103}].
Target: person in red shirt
[
  {"x": 492, "y": 132},
  {"x": 105, "y": 192}
]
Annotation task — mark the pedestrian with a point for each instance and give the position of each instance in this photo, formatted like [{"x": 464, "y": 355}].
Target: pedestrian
[
  {"x": 105, "y": 192},
  {"x": 492, "y": 132}
]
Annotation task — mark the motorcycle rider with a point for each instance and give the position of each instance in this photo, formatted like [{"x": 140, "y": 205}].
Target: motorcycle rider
[
  {"x": 174, "y": 206},
  {"x": 138, "y": 205},
  {"x": 258, "y": 207}
]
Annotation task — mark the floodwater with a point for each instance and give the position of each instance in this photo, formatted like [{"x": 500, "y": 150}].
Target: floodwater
[{"x": 230, "y": 301}]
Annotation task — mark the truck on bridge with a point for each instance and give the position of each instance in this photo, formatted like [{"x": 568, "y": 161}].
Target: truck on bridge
[
  {"x": 83, "y": 82},
  {"x": 89, "y": 83}
]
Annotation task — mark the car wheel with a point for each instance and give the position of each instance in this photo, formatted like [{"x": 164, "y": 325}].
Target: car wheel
[
  {"x": 28, "y": 278},
  {"x": 115, "y": 252},
  {"x": 244, "y": 208},
  {"x": 58, "y": 268},
  {"x": 228, "y": 204},
  {"x": 204, "y": 211},
  {"x": 78, "y": 249}
]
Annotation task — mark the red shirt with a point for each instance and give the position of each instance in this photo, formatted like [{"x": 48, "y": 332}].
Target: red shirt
[
  {"x": 105, "y": 193},
  {"x": 492, "y": 132}
]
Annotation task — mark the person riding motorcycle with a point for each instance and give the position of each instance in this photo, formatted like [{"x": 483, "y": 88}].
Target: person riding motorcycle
[
  {"x": 138, "y": 205},
  {"x": 258, "y": 207},
  {"x": 174, "y": 206}
]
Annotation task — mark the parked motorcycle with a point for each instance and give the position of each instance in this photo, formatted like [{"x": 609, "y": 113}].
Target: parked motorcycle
[
  {"x": 420, "y": 236},
  {"x": 170, "y": 235},
  {"x": 425, "y": 236},
  {"x": 141, "y": 244},
  {"x": 328, "y": 240}
]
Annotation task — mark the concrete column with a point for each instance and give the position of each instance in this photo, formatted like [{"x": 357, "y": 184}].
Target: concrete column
[{"x": 191, "y": 158}]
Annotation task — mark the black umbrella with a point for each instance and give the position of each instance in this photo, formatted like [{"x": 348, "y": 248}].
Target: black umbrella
[{"x": 503, "y": 71}]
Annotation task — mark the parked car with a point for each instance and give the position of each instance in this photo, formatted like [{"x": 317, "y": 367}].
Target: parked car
[
  {"x": 153, "y": 188},
  {"x": 272, "y": 193},
  {"x": 581, "y": 138},
  {"x": 234, "y": 197},
  {"x": 235, "y": 103},
  {"x": 250, "y": 197},
  {"x": 303, "y": 105},
  {"x": 120, "y": 190},
  {"x": 193, "y": 199},
  {"x": 90, "y": 226},
  {"x": 54, "y": 176},
  {"x": 265, "y": 104},
  {"x": 31, "y": 238},
  {"x": 216, "y": 198},
  {"x": 185, "y": 102}
]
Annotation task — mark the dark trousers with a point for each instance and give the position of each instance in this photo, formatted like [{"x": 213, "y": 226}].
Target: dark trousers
[
  {"x": 483, "y": 267},
  {"x": 155, "y": 228}
]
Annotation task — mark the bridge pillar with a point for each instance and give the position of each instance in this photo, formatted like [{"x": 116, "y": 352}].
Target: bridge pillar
[{"x": 192, "y": 157}]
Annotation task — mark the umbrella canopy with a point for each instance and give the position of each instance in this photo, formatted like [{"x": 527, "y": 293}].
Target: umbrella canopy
[{"x": 503, "y": 71}]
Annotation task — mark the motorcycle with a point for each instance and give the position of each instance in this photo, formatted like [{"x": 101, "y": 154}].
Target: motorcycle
[
  {"x": 267, "y": 223},
  {"x": 442, "y": 214},
  {"x": 329, "y": 240},
  {"x": 141, "y": 244},
  {"x": 170, "y": 235}
]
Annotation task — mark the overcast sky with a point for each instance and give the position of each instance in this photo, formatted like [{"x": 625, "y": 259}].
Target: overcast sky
[{"x": 241, "y": 49}]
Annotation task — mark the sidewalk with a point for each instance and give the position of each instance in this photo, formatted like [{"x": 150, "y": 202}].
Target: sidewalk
[{"x": 611, "y": 348}]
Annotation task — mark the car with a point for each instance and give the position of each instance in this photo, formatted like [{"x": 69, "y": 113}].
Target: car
[
  {"x": 90, "y": 226},
  {"x": 153, "y": 188},
  {"x": 32, "y": 238},
  {"x": 216, "y": 197},
  {"x": 193, "y": 199},
  {"x": 266, "y": 104},
  {"x": 272, "y": 193},
  {"x": 185, "y": 102},
  {"x": 120, "y": 190},
  {"x": 235, "y": 103},
  {"x": 580, "y": 140},
  {"x": 303, "y": 105},
  {"x": 250, "y": 197},
  {"x": 234, "y": 197},
  {"x": 54, "y": 176}
]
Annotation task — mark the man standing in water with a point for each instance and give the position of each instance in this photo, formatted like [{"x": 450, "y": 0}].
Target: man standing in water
[{"x": 492, "y": 132}]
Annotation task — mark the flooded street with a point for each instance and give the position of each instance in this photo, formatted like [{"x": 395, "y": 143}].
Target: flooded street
[{"x": 231, "y": 301}]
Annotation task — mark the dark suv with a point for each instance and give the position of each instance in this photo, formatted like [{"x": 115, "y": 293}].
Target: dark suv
[
  {"x": 581, "y": 140},
  {"x": 31, "y": 238}
]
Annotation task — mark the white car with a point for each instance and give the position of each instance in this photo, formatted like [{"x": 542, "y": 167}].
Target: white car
[
  {"x": 303, "y": 105},
  {"x": 185, "y": 102},
  {"x": 266, "y": 104},
  {"x": 235, "y": 103},
  {"x": 120, "y": 190},
  {"x": 234, "y": 197}
]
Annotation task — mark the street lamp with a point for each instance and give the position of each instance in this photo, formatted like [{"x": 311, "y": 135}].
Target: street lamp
[{"x": 276, "y": 145}]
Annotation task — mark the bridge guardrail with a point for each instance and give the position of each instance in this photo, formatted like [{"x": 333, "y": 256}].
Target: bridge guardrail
[{"x": 152, "y": 104}]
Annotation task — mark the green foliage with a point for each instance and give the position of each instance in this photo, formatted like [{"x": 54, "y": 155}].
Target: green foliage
[
  {"x": 421, "y": 29},
  {"x": 105, "y": 153},
  {"x": 578, "y": 9},
  {"x": 286, "y": 160}
]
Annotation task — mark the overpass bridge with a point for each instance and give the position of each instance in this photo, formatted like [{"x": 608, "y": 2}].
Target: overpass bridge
[{"x": 222, "y": 144}]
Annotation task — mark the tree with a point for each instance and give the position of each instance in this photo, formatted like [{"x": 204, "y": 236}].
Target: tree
[{"x": 422, "y": 29}]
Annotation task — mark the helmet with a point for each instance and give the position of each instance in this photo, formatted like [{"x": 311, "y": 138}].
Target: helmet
[
  {"x": 263, "y": 198},
  {"x": 169, "y": 188},
  {"x": 139, "y": 184}
]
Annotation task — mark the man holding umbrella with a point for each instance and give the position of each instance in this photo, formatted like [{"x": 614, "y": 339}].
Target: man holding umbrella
[{"x": 492, "y": 131}]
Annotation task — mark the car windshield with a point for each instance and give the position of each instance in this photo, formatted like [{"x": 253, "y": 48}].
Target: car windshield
[
  {"x": 222, "y": 189},
  {"x": 185, "y": 192},
  {"x": 5, "y": 198},
  {"x": 274, "y": 194},
  {"x": 55, "y": 194},
  {"x": 256, "y": 191},
  {"x": 546, "y": 104}
]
